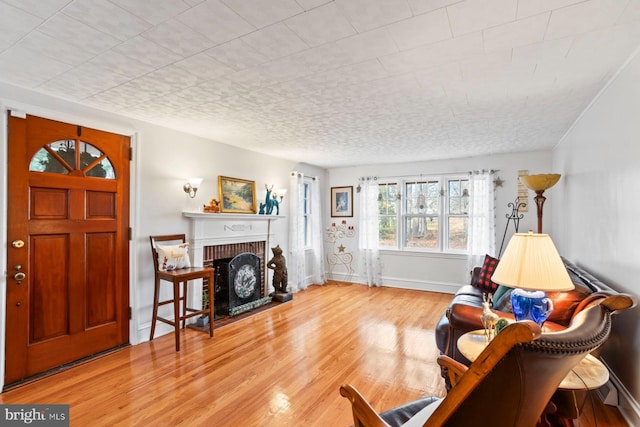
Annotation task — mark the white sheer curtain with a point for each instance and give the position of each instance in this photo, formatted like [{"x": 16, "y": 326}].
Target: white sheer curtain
[
  {"x": 317, "y": 267},
  {"x": 368, "y": 231},
  {"x": 482, "y": 239},
  {"x": 297, "y": 259}
]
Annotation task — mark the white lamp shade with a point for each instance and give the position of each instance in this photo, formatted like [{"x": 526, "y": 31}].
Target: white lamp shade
[
  {"x": 531, "y": 262},
  {"x": 195, "y": 182}
]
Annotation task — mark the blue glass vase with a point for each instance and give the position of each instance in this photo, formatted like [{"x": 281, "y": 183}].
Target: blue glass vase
[{"x": 531, "y": 305}]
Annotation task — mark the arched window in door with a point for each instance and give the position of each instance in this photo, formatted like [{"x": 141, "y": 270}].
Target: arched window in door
[{"x": 61, "y": 157}]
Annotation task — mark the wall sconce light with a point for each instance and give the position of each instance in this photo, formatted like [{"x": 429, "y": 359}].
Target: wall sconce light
[
  {"x": 191, "y": 187},
  {"x": 279, "y": 194}
]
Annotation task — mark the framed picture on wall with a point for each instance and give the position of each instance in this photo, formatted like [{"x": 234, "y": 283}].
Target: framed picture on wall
[
  {"x": 237, "y": 195},
  {"x": 341, "y": 201}
]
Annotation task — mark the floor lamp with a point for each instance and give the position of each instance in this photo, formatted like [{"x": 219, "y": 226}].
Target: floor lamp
[{"x": 540, "y": 183}]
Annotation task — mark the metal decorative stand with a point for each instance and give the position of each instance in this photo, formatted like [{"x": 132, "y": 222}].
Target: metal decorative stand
[
  {"x": 340, "y": 256},
  {"x": 514, "y": 216}
]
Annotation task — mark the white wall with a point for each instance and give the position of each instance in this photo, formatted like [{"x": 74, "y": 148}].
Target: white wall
[
  {"x": 163, "y": 160},
  {"x": 596, "y": 225},
  {"x": 441, "y": 272}
]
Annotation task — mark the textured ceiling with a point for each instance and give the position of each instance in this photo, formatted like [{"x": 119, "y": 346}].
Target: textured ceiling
[{"x": 331, "y": 83}]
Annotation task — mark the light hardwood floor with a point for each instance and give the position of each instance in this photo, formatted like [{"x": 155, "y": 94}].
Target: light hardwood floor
[{"x": 281, "y": 367}]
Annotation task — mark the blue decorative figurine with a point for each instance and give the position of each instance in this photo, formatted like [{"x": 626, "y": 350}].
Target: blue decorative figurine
[{"x": 269, "y": 203}]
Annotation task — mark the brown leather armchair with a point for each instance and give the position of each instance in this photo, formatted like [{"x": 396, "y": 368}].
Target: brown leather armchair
[{"x": 511, "y": 381}]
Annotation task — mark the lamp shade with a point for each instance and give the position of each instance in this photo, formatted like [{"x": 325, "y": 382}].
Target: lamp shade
[
  {"x": 195, "y": 182},
  {"x": 540, "y": 182},
  {"x": 531, "y": 261}
]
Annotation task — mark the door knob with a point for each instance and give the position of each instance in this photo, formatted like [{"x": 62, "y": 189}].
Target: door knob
[
  {"x": 19, "y": 276},
  {"x": 17, "y": 244}
]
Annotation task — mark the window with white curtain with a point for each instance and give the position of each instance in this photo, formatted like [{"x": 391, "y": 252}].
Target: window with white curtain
[
  {"x": 427, "y": 214},
  {"x": 306, "y": 253}
]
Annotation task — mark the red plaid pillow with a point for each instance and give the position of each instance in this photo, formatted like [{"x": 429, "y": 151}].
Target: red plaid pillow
[{"x": 484, "y": 278}]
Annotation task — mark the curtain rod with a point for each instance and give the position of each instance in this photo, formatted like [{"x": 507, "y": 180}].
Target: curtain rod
[
  {"x": 292, "y": 173},
  {"x": 425, "y": 175}
]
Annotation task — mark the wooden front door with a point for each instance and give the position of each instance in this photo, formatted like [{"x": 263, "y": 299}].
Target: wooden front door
[{"x": 68, "y": 244}]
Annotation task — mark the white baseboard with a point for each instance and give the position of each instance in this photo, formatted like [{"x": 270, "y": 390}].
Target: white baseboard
[
  {"x": 392, "y": 282},
  {"x": 421, "y": 285},
  {"x": 344, "y": 277},
  {"x": 627, "y": 405}
]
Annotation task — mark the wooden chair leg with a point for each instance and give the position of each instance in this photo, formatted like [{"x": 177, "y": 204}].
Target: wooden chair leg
[
  {"x": 176, "y": 312},
  {"x": 210, "y": 292},
  {"x": 156, "y": 293},
  {"x": 184, "y": 303}
]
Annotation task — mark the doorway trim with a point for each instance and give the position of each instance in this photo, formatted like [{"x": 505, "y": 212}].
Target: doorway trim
[{"x": 7, "y": 105}]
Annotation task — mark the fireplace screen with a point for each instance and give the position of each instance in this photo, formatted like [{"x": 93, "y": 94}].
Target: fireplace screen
[{"x": 238, "y": 283}]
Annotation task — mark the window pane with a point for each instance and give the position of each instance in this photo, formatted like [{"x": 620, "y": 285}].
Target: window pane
[
  {"x": 454, "y": 188},
  {"x": 306, "y": 199},
  {"x": 388, "y": 231},
  {"x": 387, "y": 198},
  {"x": 422, "y": 232},
  {"x": 459, "y": 197},
  {"x": 458, "y": 233},
  {"x": 88, "y": 155},
  {"x": 44, "y": 161},
  {"x": 422, "y": 197}
]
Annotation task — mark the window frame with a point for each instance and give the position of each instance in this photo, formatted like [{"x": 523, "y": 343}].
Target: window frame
[{"x": 443, "y": 214}]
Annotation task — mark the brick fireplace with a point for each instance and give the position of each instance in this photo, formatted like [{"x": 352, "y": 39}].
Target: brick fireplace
[{"x": 217, "y": 236}]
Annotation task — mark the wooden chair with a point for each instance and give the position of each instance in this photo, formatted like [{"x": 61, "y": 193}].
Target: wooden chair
[
  {"x": 177, "y": 277},
  {"x": 510, "y": 383}
]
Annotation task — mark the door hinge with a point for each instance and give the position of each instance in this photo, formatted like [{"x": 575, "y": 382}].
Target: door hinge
[
  {"x": 130, "y": 153},
  {"x": 130, "y": 313},
  {"x": 130, "y": 233}
]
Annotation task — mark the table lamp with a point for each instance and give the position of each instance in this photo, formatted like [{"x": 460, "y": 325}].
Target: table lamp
[{"x": 531, "y": 265}]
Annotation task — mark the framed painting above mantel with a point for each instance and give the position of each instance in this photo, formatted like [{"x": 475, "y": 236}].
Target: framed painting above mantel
[{"x": 237, "y": 195}]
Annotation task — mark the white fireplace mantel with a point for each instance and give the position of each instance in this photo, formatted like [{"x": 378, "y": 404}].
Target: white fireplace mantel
[{"x": 210, "y": 229}]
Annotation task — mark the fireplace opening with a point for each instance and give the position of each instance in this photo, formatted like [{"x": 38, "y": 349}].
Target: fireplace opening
[
  {"x": 238, "y": 283},
  {"x": 239, "y": 278}
]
